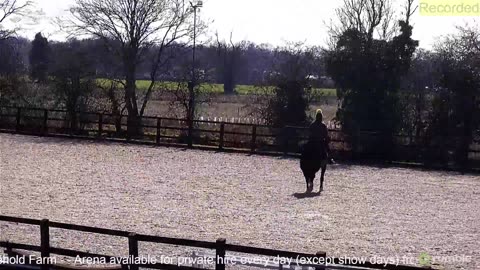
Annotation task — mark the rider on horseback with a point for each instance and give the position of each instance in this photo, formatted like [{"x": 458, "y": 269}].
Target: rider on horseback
[
  {"x": 319, "y": 139},
  {"x": 315, "y": 153}
]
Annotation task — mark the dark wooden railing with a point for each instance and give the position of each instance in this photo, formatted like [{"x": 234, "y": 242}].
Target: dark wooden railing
[
  {"x": 221, "y": 247},
  {"x": 209, "y": 135},
  {"x": 223, "y": 136}
]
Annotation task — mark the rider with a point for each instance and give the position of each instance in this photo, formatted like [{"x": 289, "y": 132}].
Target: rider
[{"x": 319, "y": 138}]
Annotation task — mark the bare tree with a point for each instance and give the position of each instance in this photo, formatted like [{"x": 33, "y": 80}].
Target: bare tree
[
  {"x": 117, "y": 107},
  {"x": 460, "y": 81},
  {"x": 373, "y": 18},
  {"x": 230, "y": 57},
  {"x": 410, "y": 9},
  {"x": 464, "y": 45},
  {"x": 182, "y": 99},
  {"x": 10, "y": 9},
  {"x": 136, "y": 25},
  {"x": 366, "y": 16}
]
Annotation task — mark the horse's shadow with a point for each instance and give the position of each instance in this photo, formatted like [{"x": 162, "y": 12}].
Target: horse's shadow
[{"x": 306, "y": 195}]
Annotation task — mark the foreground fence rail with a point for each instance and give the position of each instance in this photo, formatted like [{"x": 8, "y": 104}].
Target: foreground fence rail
[
  {"x": 220, "y": 247},
  {"x": 221, "y": 136}
]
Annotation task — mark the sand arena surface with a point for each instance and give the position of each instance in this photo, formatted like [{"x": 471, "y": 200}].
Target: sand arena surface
[{"x": 250, "y": 200}]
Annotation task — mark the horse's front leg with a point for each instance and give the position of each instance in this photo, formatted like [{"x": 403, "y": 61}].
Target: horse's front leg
[
  {"x": 322, "y": 176},
  {"x": 309, "y": 181}
]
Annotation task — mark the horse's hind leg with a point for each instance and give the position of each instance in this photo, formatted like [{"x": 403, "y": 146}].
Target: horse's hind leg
[{"x": 322, "y": 176}]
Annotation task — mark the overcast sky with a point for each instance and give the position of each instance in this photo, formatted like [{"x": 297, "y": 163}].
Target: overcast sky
[{"x": 267, "y": 21}]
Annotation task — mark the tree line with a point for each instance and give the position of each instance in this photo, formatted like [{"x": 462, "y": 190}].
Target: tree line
[{"x": 240, "y": 63}]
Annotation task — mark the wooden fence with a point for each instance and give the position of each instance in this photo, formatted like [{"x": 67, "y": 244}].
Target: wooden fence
[
  {"x": 225, "y": 136},
  {"x": 213, "y": 135},
  {"x": 221, "y": 247}
]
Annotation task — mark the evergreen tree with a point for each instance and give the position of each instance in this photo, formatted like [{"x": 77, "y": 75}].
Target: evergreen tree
[{"x": 39, "y": 58}]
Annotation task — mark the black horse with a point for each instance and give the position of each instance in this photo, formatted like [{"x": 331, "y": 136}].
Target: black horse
[{"x": 314, "y": 157}]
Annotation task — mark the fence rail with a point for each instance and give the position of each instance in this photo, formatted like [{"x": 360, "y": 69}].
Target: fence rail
[
  {"x": 220, "y": 247},
  {"x": 214, "y": 135}
]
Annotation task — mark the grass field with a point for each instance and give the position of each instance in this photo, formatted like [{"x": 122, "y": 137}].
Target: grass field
[
  {"x": 218, "y": 88},
  {"x": 226, "y": 106},
  {"x": 227, "y": 109}
]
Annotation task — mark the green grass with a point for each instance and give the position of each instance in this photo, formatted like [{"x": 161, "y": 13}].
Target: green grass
[{"x": 218, "y": 88}]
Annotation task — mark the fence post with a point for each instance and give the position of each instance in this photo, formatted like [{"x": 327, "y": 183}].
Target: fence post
[
  {"x": 220, "y": 258},
  {"x": 190, "y": 133},
  {"x": 128, "y": 129},
  {"x": 45, "y": 122},
  {"x": 19, "y": 113},
  {"x": 222, "y": 135},
  {"x": 133, "y": 250},
  {"x": 254, "y": 138},
  {"x": 286, "y": 140},
  {"x": 159, "y": 126},
  {"x": 72, "y": 123},
  {"x": 100, "y": 125},
  {"x": 44, "y": 243}
]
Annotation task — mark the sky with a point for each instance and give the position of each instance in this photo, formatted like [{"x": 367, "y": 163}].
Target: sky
[{"x": 272, "y": 22}]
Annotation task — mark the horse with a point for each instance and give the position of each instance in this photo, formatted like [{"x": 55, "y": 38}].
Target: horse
[{"x": 313, "y": 158}]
